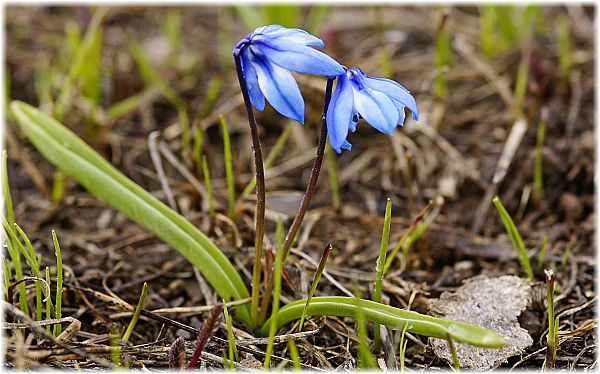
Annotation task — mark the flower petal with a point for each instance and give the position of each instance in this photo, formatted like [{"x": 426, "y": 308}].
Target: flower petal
[
  {"x": 256, "y": 96},
  {"x": 377, "y": 109},
  {"x": 347, "y": 146},
  {"x": 401, "y": 114},
  {"x": 339, "y": 113},
  {"x": 394, "y": 90},
  {"x": 292, "y": 35},
  {"x": 296, "y": 57},
  {"x": 280, "y": 88}
]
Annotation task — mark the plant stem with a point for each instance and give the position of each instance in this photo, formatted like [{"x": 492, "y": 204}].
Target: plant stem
[
  {"x": 260, "y": 189},
  {"x": 314, "y": 176}
]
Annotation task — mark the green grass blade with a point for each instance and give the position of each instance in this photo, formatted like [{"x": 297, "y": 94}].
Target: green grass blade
[
  {"x": 7, "y": 271},
  {"x": 212, "y": 94},
  {"x": 59, "y": 283},
  {"x": 515, "y": 238},
  {"x": 64, "y": 149},
  {"x": 198, "y": 149},
  {"x": 131, "y": 103},
  {"x": 393, "y": 318},
  {"x": 316, "y": 18},
  {"x": 294, "y": 354},
  {"x": 15, "y": 256},
  {"x": 208, "y": 184},
  {"x": 402, "y": 350},
  {"x": 250, "y": 16},
  {"x": 542, "y": 255},
  {"x": 172, "y": 29},
  {"x": 379, "y": 268},
  {"x": 280, "y": 14},
  {"x": 136, "y": 313},
  {"x": 228, "y": 167},
  {"x": 365, "y": 357},
  {"x": 8, "y": 204},
  {"x": 276, "y": 291},
  {"x": 48, "y": 299},
  {"x": 80, "y": 60},
  {"x": 232, "y": 348},
  {"x": 315, "y": 282}
]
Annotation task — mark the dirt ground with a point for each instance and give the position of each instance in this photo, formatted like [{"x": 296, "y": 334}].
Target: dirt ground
[{"x": 455, "y": 154}]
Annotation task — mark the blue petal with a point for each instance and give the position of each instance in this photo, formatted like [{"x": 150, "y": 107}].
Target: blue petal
[
  {"x": 377, "y": 109},
  {"x": 256, "y": 96},
  {"x": 339, "y": 113},
  {"x": 346, "y": 146},
  {"x": 401, "y": 114},
  {"x": 280, "y": 88},
  {"x": 395, "y": 91},
  {"x": 296, "y": 57},
  {"x": 293, "y": 35},
  {"x": 353, "y": 123}
]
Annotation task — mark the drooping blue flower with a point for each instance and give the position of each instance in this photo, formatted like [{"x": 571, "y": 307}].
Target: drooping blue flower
[
  {"x": 379, "y": 101},
  {"x": 269, "y": 54}
]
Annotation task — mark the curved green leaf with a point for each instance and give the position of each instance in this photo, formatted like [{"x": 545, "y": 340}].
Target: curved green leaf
[
  {"x": 394, "y": 318},
  {"x": 68, "y": 152}
]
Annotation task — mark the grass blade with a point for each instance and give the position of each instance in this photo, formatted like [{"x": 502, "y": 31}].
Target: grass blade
[
  {"x": 515, "y": 238},
  {"x": 64, "y": 149},
  {"x": 48, "y": 299},
  {"x": 542, "y": 255},
  {"x": 365, "y": 357},
  {"x": 208, "y": 184},
  {"x": 232, "y": 348},
  {"x": 276, "y": 291},
  {"x": 228, "y": 167},
  {"x": 315, "y": 282},
  {"x": 294, "y": 354},
  {"x": 394, "y": 318},
  {"x": 136, "y": 313},
  {"x": 379, "y": 269},
  {"x": 59, "y": 284}
]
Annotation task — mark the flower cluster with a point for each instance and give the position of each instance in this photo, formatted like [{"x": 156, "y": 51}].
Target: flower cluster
[{"x": 270, "y": 53}]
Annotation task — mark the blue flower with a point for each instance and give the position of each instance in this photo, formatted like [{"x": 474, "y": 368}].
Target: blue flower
[
  {"x": 269, "y": 54},
  {"x": 379, "y": 101}
]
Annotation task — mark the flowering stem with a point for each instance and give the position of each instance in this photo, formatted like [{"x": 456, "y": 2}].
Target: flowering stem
[
  {"x": 314, "y": 175},
  {"x": 260, "y": 190}
]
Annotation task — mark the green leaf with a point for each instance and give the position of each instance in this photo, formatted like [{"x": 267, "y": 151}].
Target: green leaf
[
  {"x": 71, "y": 154},
  {"x": 394, "y": 318}
]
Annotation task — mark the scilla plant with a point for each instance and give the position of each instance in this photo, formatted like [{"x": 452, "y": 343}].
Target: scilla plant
[{"x": 263, "y": 60}]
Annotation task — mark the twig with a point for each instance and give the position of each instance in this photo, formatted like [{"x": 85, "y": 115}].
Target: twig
[
  {"x": 33, "y": 325},
  {"x": 508, "y": 152},
  {"x": 155, "y": 156}
]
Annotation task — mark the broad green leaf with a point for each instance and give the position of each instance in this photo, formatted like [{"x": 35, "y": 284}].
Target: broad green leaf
[
  {"x": 391, "y": 317},
  {"x": 72, "y": 155}
]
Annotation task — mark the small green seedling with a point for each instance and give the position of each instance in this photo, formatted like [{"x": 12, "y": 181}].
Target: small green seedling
[
  {"x": 232, "y": 348},
  {"x": 136, "y": 313},
  {"x": 315, "y": 282},
  {"x": 379, "y": 268},
  {"x": 515, "y": 238},
  {"x": 228, "y": 167},
  {"x": 553, "y": 323}
]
